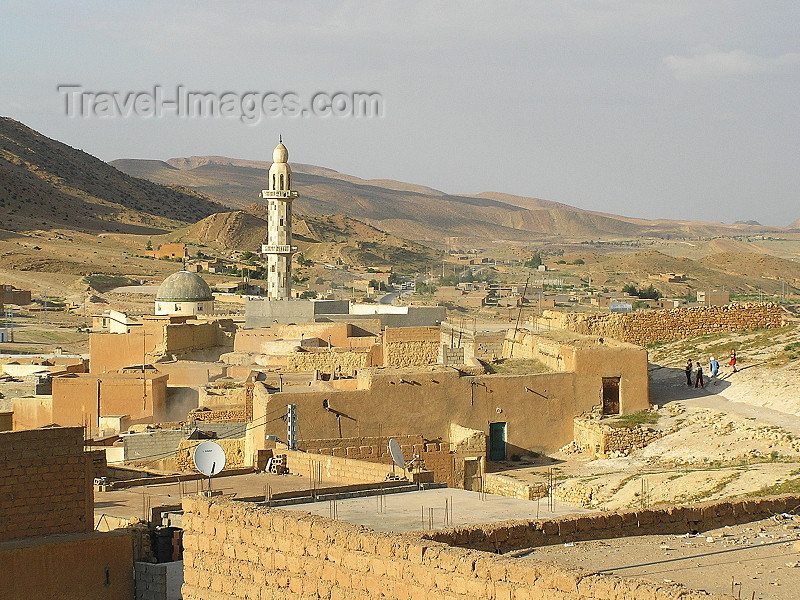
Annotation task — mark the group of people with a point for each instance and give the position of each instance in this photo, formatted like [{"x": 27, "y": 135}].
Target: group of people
[{"x": 696, "y": 369}]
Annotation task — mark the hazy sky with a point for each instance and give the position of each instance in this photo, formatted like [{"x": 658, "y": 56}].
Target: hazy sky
[{"x": 658, "y": 109}]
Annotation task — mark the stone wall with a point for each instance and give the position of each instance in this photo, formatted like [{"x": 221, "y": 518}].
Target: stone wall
[
  {"x": 410, "y": 346},
  {"x": 647, "y": 327},
  {"x": 221, "y": 415},
  {"x": 235, "y": 550},
  {"x": 331, "y": 360},
  {"x": 45, "y": 483},
  {"x": 508, "y": 536},
  {"x": 599, "y": 438}
]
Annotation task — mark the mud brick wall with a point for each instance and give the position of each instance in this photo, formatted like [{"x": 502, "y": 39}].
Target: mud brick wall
[
  {"x": 338, "y": 468},
  {"x": 235, "y": 550},
  {"x": 76, "y": 566},
  {"x": 507, "y": 536},
  {"x": 45, "y": 483},
  {"x": 652, "y": 326},
  {"x": 410, "y": 346}
]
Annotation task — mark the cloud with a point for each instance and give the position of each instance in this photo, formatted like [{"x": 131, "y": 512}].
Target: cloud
[{"x": 714, "y": 64}]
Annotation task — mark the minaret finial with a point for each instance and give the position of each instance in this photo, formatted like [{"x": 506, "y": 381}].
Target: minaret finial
[{"x": 280, "y": 138}]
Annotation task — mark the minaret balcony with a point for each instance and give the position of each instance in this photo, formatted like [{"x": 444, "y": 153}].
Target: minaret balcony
[
  {"x": 277, "y": 249},
  {"x": 283, "y": 194}
]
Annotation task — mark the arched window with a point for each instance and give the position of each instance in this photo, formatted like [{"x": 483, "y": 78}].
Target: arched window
[
  {"x": 288, "y": 181},
  {"x": 273, "y": 181},
  {"x": 283, "y": 188}
]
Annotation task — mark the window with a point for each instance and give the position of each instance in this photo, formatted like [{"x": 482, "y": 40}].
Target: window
[{"x": 283, "y": 188}]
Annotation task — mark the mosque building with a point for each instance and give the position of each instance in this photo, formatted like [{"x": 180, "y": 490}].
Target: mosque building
[
  {"x": 278, "y": 247},
  {"x": 184, "y": 294}
]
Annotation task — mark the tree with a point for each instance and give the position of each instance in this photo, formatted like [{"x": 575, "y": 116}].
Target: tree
[
  {"x": 149, "y": 245},
  {"x": 534, "y": 261},
  {"x": 308, "y": 294}
]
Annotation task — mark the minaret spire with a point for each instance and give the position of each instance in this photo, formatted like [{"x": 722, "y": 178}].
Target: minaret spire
[{"x": 278, "y": 247}]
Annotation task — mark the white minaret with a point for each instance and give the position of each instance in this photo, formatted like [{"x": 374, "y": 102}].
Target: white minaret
[{"x": 278, "y": 247}]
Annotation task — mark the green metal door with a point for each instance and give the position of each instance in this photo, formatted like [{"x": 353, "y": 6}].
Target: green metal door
[{"x": 497, "y": 441}]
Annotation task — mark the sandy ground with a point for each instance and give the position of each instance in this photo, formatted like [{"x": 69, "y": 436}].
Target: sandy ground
[{"x": 757, "y": 560}]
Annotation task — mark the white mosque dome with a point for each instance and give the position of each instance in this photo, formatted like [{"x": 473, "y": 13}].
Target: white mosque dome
[{"x": 184, "y": 286}]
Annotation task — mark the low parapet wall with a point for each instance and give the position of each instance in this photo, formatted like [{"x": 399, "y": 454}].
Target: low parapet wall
[
  {"x": 235, "y": 550},
  {"x": 508, "y": 536}
]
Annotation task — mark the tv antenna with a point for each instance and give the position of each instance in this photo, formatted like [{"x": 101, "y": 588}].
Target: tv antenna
[{"x": 209, "y": 459}]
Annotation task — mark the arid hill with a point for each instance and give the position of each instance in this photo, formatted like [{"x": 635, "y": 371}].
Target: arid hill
[
  {"x": 413, "y": 211},
  {"x": 330, "y": 238},
  {"x": 740, "y": 272},
  {"x": 46, "y": 184}
]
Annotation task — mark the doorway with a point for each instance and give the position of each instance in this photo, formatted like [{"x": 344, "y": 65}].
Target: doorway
[
  {"x": 497, "y": 441},
  {"x": 610, "y": 395}
]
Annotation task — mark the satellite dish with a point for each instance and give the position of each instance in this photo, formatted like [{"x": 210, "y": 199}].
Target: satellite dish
[
  {"x": 397, "y": 453},
  {"x": 209, "y": 458}
]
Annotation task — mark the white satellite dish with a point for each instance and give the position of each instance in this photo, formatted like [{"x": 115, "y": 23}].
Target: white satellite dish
[
  {"x": 397, "y": 453},
  {"x": 209, "y": 458}
]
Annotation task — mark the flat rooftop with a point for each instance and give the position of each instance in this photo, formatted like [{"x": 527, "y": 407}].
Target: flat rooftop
[{"x": 425, "y": 509}]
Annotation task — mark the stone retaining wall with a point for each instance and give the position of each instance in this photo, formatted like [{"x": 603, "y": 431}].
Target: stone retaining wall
[
  {"x": 650, "y": 326},
  {"x": 235, "y": 550}
]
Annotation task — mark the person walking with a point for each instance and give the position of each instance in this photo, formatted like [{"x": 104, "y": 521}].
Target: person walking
[
  {"x": 698, "y": 380},
  {"x": 689, "y": 370},
  {"x": 732, "y": 362},
  {"x": 714, "y": 366}
]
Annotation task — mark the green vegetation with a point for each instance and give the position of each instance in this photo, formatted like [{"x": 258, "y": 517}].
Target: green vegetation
[
  {"x": 534, "y": 261},
  {"x": 645, "y": 417},
  {"x": 649, "y": 292},
  {"x": 308, "y": 294},
  {"x": 424, "y": 288}
]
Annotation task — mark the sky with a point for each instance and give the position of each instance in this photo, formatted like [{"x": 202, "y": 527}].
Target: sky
[{"x": 653, "y": 109}]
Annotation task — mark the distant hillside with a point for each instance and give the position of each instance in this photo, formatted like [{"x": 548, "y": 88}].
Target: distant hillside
[
  {"x": 795, "y": 224},
  {"x": 325, "y": 239},
  {"x": 414, "y": 211},
  {"x": 740, "y": 272},
  {"x": 45, "y": 184}
]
